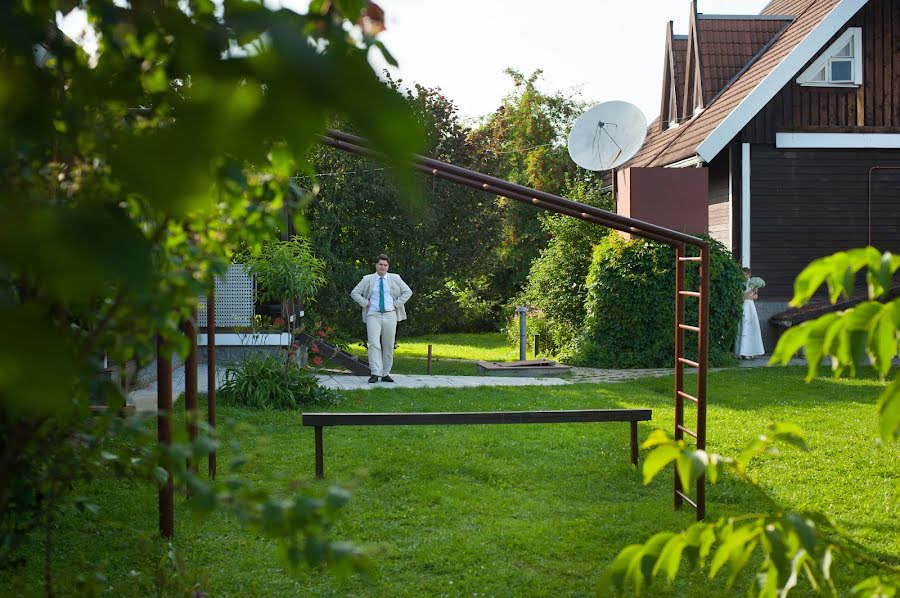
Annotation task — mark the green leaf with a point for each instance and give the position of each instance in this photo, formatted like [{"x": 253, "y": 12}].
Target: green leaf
[
  {"x": 658, "y": 458},
  {"x": 789, "y": 433},
  {"x": 614, "y": 575},
  {"x": 883, "y": 339},
  {"x": 670, "y": 557},
  {"x": 790, "y": 343},
  {"x": 161, "y": 475},
  {"x": 690, "y": 465},
  {"x": 655, "y": 438},
  {"x": 388, "y": 57},
  {"x": 888, "y": 409}
]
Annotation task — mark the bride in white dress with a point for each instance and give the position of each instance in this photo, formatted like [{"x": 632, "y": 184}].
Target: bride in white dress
[{"x": 749, "y": 340}]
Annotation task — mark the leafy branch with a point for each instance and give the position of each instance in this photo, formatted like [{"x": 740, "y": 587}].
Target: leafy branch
[{"x": 793, "y": 544}]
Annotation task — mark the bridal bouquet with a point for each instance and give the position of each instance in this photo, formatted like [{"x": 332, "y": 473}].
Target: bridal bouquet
[{"x": 754, "y": 283}]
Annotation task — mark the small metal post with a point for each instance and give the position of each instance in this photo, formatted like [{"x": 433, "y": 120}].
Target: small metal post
[
  {"x": 536, "y": 338},
  {"x": 523, "y": 332},
  {"x": 429, "y": 360},
  {"x": 320, "y": 466}
]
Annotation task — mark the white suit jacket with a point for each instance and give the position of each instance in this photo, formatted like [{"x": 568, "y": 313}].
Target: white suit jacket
[{"x": 400, "y": 291}]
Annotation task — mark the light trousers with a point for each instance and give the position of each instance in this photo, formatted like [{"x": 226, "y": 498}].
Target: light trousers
[{"x": 382, "y": 330}]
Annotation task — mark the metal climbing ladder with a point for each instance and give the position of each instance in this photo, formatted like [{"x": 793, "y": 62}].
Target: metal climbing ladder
[{"x": 700, "y": 332}]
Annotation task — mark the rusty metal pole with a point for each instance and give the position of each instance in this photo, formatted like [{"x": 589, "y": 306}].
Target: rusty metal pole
[
  {"x": 320, "y": 460},
  {"x": 211, "y": 375},
  {"x": 164, "y": 436},
  {"x": 680, "y": 252},
  {"x": 703, "y": 359},
  {"x": 429, "y": 360},
  {"x": 190, "y": 384}
]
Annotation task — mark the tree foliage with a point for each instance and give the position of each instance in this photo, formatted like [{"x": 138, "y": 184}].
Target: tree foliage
[
  {"x": 128, "y": 178},
  {"x": 442, "y": 244},
  {"x": 524, "y": 141},
  {"x": 556, "y": 289},
  {"x": 787, "y": 547}
]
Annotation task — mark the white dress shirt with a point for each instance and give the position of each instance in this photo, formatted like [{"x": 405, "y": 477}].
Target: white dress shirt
[{"x": 374, "y": 303}]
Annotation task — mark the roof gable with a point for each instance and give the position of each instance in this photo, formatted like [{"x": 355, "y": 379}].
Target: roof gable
[
  {"x": 750, "y": 89},
  {"x": 820, "y": 22},
  {"x": 728, "y": 44}
]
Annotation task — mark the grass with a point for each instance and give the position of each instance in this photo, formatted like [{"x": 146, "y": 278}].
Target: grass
[
  {"x": 502, "y": 510},
  {"x": 451, "y": 354}
]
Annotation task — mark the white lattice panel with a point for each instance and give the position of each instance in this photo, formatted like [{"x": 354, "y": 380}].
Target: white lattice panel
[{"x": 234, "y": 299}]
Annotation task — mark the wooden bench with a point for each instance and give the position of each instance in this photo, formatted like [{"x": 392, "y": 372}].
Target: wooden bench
[{"x": 321, "y": 420}]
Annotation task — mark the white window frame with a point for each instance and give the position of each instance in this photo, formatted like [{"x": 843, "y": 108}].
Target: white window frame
[{"x": 852, "y": 34}]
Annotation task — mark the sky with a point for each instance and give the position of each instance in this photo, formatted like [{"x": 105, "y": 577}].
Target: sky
[{"x": 607, "y": 49}]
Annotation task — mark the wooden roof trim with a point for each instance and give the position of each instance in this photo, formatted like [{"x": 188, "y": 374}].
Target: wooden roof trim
[
  {"x": 778, "y": 77},
  {"x": 692, "y": 71},
  {"x": 704, "y": 16},
  {"x": 669, "y": 91}
]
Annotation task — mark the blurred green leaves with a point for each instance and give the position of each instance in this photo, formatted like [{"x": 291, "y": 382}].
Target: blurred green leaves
[
  {"x": 868, "y": 331},
  {"x": 785, "y": 547},
  {"x": 127, "y": 180}
]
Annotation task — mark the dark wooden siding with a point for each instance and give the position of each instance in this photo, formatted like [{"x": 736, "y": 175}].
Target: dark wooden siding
[
  {"x": 719, "y": 223},
  {"x": 874, "y": 107},
  {"x": 806, "y": 204}
]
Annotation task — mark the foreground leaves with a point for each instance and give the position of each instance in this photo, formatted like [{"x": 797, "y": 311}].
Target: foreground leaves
[
  {"x": 867, "y": 331},
  {"x": 791, "y": 547}
]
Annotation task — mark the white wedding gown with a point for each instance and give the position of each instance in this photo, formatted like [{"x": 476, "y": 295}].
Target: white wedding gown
[{"x": 749, "y": 341}]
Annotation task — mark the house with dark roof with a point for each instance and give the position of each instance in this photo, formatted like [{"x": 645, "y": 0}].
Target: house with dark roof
[{"x": 778, "y": 134}]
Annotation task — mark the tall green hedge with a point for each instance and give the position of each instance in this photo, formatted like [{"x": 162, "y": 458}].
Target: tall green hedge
[
  {"x": 631, "y": 305},
  {"x": 555, "y": 291}
]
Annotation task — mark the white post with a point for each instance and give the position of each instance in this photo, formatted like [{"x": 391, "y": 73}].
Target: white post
[{"x": 745, "y": 205}]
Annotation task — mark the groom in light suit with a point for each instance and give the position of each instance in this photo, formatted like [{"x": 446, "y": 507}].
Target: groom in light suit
[{"x": 382, "y": 297}]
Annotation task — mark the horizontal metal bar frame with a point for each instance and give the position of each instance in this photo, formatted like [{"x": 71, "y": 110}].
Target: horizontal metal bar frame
[
  {"x": 686, "y": 498},
  {"x": 690, "y": 433},
  {"x": 476, "y": 417},
  {"x": 521, "y": 193},
  {"x": 685, "y": 395},
  {"x": 478, "y": 184}
]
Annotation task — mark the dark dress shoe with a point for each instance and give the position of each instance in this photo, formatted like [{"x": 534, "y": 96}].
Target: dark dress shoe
[
  {"x": 387, "y": 379},
  {"x": 373, "y": 379}
]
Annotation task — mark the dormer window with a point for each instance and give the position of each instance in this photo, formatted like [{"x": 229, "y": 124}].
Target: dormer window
[{"x": 838, "y": 66}]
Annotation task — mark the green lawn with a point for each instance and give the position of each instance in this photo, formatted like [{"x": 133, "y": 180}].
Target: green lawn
[
  {"x": 451, "y": 354},
  {"x": 503, "y": 510}
]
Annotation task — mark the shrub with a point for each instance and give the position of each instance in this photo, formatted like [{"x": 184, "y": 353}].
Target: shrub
[
  {"x": 556, "y": 282},
  {"x": 631, "y": 307},
  {"x": 263, "y": 381}
]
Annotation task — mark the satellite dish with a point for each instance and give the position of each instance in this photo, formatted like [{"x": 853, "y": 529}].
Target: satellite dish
[{"x": 607, "y": 135}]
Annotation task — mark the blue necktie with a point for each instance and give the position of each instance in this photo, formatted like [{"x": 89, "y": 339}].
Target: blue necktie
[{"x": 381, "y": 293}]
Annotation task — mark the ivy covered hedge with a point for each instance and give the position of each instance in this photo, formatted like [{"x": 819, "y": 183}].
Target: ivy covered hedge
[{"x": 631, "y": 305}]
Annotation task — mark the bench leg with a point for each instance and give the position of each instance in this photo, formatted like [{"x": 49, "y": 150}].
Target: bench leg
[
  {"x": 634, "y": 444},
  {"x": 320, "y": 467}
]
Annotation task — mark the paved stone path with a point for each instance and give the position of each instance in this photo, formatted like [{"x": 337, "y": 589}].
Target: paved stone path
[{"x": 144, "y": 399}]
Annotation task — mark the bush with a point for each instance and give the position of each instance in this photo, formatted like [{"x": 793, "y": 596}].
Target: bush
[
  {"x": 556, "y": 288},
  {"x": 263, "y": 381},
  {"x": 631, "y": 307}
]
